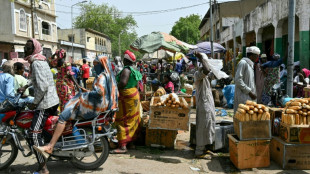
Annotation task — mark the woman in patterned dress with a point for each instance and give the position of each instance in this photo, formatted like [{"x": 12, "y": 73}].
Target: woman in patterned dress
[{"x": 65, "y": 81}]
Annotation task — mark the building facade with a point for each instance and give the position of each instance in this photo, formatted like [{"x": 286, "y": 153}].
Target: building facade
[
  {"x": 266, "y": 26},
  {"x": 16, "y": 27},
  {"x": 95, "y": 43}
]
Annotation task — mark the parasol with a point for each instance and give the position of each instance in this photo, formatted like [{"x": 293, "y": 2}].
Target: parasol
[
  {"x": 157, "y": 41},
  {"x": 205, "y": 47}
]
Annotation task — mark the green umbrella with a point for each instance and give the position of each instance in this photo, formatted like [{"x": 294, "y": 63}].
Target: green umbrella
[{"x": 157, "y": 41}]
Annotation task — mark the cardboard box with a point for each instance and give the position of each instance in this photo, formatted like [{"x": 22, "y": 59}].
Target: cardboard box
[
  {"x": 295, "y": 133},
  {"x": 249, "y": 130},
  {"x": 160, "y": 138},
  {"x": 222, "y": 129},
  {"x": 275, "y": 118},
  {"x": 290, "y": 156},
  {"x": 249, "y": 154},
  {"x": 162, "y": 117}
]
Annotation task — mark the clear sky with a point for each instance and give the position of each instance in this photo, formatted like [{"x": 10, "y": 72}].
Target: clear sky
[{"x": 146, "y": 23}]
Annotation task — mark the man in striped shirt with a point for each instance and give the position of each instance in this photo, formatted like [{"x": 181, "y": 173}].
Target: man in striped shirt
[{"x": 45, "y": 97}]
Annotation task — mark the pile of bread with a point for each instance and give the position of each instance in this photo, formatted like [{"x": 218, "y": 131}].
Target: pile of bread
[
  {"x": 297, "y": 112},
  {"x": 172, "y": 101},
  {"x": 251, "y": 111}
]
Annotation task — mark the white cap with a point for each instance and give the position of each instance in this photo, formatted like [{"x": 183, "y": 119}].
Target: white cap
[
  {"x": 263, "y": 56},
  {"x": 253, "y": 49}
]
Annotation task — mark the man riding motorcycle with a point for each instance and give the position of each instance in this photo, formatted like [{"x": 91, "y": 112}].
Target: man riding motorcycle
[{"x": 45, "y": 97}]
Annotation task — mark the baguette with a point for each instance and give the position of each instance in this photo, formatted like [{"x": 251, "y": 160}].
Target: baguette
[
  {"x": 241, "y": 110},
  {"x": 264, "y": 116},
  {"x": 297, "y": 121},
  {"x": 259, "y": 116},
  {"x": 295, "y": 107},
  {"x": 249, "y": 102},
  {"x": 290, "y": 111},
  {"x": 247, "y": 117},
  {"x": 251, "y": 107},
  {"x": 255, "y": 110},
  {"x": 268, "y": 116},
  {"x": 251, "y": 112},
  {"x": 254, "y": 117},
  {"x": 294, "y": 103},
  {"x": 242, "y": 106}
]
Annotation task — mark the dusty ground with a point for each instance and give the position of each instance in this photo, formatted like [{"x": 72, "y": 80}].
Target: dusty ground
[{"x": 146, "y": 160}]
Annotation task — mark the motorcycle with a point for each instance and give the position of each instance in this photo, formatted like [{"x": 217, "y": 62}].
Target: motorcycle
[{"x": 83, "y": 142}]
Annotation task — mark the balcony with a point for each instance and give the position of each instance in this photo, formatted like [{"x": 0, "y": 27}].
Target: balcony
[{"x": 101, "y": 48}]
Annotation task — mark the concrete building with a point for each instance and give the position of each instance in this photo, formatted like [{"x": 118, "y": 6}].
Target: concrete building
[
  {"x": 266, "y": 26},
  {"x": 95, "y": 43},
  {"x": 16, "y": 27}
]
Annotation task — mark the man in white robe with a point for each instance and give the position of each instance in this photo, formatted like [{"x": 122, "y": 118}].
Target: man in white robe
[
  {"x": 205, "y": 110},
  {"x": 245, "y": 88}
]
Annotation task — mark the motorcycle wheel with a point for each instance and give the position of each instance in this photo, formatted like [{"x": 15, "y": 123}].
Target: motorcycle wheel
[
  {"x": 100, "y": 155},
  {"x": 8, "y": 154}
]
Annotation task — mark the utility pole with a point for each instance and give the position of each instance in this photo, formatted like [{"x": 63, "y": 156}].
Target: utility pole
[
  {"x": 32, "y": 16},
  {"x": 119, "y": 44},
  {"x": 291, "y": 39},
  {"x": 211, "y": 29},
  {"x": 235, "y": 44}
]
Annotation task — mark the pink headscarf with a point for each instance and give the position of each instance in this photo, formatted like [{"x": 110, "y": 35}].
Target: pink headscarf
[
  {"x": 59, "y": 54},
  {"x": 36, "y": 53},
  {"x": 307, "y": 72}
]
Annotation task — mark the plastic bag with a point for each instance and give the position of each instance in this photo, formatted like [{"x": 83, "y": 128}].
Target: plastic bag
[
  {"x": 229, "y": 94},
  {"x": 215, "y": 65},
  {"x": 174, "y": 95}
]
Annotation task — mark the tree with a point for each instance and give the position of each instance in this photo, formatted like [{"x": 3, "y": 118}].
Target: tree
[
  {"x": 110, "y": 21},
  {"x": 186, "y": 29}
]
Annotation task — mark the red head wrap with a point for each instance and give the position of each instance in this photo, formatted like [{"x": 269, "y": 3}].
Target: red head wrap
[{"x": 130, "y": 56}]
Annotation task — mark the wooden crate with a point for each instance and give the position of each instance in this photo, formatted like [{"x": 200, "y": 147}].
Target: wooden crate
[
  {"x": 290, "y": 156},
  {"x": 275, "y": 114},
  {"x": 162, "y": 117},
  {"x": 250, "y": 130},
  {"x": 160, "y": 138},
  {"x": 249, "y": 154},
  {"x": 295, "y": 133}
]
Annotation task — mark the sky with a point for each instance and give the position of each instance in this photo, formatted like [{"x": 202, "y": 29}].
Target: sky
[{"x": 146, "y": 23}]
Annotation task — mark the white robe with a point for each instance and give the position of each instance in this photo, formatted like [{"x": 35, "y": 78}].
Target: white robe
[
  {"x": 205, "y": 110},
  {"x": 244, "y": 81}
]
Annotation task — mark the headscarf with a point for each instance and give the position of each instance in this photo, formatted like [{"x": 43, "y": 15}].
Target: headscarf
[
  {"x": 59, "y": 54},
  {"x": 36, "y": 52},
  {"x": 129, "y": 56},
  {"x": 307, "y": 72},
  {"x": 7, "y": 67}
]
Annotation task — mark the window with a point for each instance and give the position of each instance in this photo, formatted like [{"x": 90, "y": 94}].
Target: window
[
  {"x": 45, "y": 28},
  {"x": 88, "y": 39},
  {"x": 104, "y": 43},
  {"x": 71, "y": 38},
  {"x": 22, "y": 20},
  {"x": 95, "y": 40},
  {"x": 35, "y": 19}
]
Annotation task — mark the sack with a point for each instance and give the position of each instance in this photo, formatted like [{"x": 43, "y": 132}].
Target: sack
[{"x": 215, "y": 65}]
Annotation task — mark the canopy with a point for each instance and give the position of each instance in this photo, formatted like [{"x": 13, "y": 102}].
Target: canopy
[
  {"x": 156, "y": 41},
  {"x": 205, "y": 47}
]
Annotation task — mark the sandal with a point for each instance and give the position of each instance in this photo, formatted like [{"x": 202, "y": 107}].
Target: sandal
[
  {"x": 118, "y": 151},
  {"x": 42, "y": 152}
]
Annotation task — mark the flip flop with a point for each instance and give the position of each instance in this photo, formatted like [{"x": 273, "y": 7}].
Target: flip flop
[
  {"x": 42, "y": 152},
  {"x": 118, "y": 151},
  {"x": 204, "y": 156}
]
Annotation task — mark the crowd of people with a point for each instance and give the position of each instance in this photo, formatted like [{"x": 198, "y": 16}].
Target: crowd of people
[{"x": 61, "y": 88}]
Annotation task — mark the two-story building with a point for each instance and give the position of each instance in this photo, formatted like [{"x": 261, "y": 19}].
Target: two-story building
[
  {"x": 94, "y": 42},
  {"x": 16, "y": 27}
]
